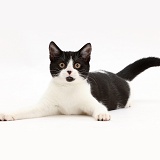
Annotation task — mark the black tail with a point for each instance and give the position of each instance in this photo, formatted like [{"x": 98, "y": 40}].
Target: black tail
[{"x": 134, "y": 69}]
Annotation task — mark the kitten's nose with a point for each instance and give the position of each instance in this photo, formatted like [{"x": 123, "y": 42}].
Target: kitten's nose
[{"x": 69, "y": 72}]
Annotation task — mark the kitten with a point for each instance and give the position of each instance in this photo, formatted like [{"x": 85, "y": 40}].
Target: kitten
[{"x": 74, "y": 90}]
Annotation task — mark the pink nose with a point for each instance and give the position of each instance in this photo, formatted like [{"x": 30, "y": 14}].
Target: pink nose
[{"x": 69, "y": 72}]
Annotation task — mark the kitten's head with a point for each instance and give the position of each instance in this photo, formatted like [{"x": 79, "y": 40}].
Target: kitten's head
[{"x": 69, "y": 67}]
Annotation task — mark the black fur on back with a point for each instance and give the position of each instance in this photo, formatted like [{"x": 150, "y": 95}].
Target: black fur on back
[
  {"x": 134, "y": 69},
  {"x": 109, "y": 89}
]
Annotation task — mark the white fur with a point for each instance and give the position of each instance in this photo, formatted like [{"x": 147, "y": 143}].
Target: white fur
[
  {"x": 64, "y": 97},
  {"x": 102, "y": 71},
  {"x": 129, "y": 102}
]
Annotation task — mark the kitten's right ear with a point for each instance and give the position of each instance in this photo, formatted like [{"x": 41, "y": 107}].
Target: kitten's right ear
[{"x": 54, "y": 50}]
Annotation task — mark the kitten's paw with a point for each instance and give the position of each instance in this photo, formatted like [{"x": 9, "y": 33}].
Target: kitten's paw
[
  {"x": 6, "y": 117},
  {"x": 2, "y": 117},
  {"x": 102, "y": 116}
]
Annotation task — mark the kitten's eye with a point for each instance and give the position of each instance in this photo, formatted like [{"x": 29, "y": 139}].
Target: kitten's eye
[
  {"x": 62, "y": 65},
  {"x": 77, "y": 65}
]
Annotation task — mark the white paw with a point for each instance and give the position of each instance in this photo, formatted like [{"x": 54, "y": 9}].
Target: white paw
[
  {"x": 102, "y": 116},
  {"x": 6, "y": 117}
]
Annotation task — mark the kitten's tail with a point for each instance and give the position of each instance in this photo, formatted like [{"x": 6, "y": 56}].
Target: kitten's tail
[{"x": 134, "y": 69}]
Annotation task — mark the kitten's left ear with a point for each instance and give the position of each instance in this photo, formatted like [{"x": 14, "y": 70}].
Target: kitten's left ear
[{"x": 85, "y": 51}]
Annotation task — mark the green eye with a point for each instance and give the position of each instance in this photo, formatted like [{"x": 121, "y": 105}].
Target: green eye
[
  {"x": 77, "y": 65},
  {"x": 62, "y": 65}
]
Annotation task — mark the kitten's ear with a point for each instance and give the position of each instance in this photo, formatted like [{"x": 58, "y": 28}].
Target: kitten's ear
[
  {"x": 54, "y": 50},
  {"x": 85, "y": 51}
]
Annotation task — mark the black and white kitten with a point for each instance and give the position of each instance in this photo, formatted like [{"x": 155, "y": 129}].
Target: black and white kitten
[{"x": 74, "y": 90}]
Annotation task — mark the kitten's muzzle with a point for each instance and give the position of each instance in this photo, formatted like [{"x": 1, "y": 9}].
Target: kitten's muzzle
[{"x": 69, "y": 79}]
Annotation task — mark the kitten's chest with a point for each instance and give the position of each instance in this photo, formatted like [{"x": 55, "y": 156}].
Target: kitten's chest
[{"x": 70, "y": 99}]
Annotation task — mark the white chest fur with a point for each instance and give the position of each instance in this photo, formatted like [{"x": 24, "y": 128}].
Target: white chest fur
[{"x": 69, "y": 99}]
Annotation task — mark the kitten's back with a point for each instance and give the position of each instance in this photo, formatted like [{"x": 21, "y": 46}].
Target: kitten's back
[{"x": 109, "y": 89}]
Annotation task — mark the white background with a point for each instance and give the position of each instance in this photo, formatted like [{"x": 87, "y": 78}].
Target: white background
[{"x": 120, "y": 33}]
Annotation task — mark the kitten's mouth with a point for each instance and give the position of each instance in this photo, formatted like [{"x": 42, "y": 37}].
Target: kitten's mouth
[{"x": 69, "y": 79}]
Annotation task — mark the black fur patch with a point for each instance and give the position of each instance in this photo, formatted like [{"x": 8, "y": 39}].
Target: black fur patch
[
  {"x": 134, "y": 69},
  {"x": 64, "y": 57},
  {"x": 109, "y": 89}
]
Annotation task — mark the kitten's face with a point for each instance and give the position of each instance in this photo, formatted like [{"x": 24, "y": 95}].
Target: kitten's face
[{"x": 69, "y": 67}]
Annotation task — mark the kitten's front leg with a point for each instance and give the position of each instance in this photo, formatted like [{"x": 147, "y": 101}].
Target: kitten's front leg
[
  {"x": 97, "y": 110},
  {"x": 40, "y": 110}
]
